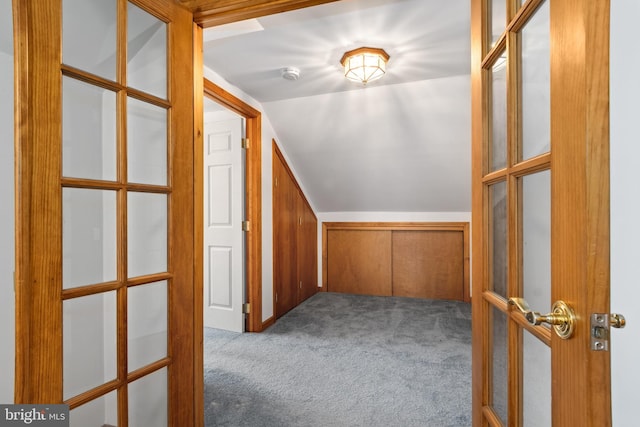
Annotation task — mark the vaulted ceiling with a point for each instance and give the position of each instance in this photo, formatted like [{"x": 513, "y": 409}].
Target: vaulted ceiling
[{"x": 399, "y": 144}]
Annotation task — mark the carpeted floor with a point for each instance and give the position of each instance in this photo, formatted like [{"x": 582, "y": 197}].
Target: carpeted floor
[{"x": 345, "y": 360}]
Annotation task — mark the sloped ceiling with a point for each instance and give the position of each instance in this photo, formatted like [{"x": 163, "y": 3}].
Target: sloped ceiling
[{"x": 401, "y": 144}]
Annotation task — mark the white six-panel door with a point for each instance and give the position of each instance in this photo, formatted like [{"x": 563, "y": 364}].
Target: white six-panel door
[{"x": 223, "y": 216}]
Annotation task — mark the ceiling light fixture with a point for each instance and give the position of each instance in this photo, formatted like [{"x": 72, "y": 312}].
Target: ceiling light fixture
[{"x": 365, "y": 64}]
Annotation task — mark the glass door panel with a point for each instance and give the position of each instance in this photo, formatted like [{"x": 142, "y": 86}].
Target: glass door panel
[
  {"x": 536, "y": 239},
  {"x": 146, "y": 233},
  {"x": 102, "y": 411},
  {"x": 500, "y": 357},
  {"x": 148, "y": 400},
  {"x": 146, "y": 52},
  {"x": 147, "y": 323},
  {"x": 146, "y": 143},
  {"x": 89, "y": 131},
  {"x": 536, "y": 85},
  {"x": 89, "y": 35},
  {"x": 536, "y": 379},
  {"x": 498, "y": 18},
  {"x": 88, "y": 237},
  {"x": 498, "y": 238},
  {"x": 89, "y": 342},
  {"x": 498, "y": 148}
]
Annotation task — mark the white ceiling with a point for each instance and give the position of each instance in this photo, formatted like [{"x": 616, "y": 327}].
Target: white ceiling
[
  {"x": 426, "y": 39},
  {"x": 401, "y": 144}
]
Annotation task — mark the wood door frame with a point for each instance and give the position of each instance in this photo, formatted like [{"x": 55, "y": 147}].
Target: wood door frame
[
  {"x": 580, "y": 204},
  {"x": 208, "y": 13}
]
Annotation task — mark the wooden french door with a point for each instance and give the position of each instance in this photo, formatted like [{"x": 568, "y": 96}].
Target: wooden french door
[
  {"x": 105, "y": 249},
  {"x": 540, "y": 211}
]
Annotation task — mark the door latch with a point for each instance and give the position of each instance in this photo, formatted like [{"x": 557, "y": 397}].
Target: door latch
[{"x": 601, "y": 324}]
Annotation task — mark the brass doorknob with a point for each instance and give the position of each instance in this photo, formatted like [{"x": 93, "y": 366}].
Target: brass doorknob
[{"x": 562, "y": 316}]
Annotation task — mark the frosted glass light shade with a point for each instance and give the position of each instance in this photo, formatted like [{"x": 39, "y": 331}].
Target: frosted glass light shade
[{"x": 365, "y": 64}]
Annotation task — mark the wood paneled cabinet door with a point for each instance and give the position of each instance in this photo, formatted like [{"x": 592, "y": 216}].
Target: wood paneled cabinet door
[
  {"x": 295, "y": 264},
  {"x": 307, "y": 259},
  {"x": 285, "y": 242}
]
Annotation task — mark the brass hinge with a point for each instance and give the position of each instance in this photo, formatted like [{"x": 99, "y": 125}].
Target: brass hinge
[
  {"x": 276, "y": 181},
  {"x": 300, "y": 221},
  {"x": 300, "y": 284},
  {"x": 246, "y": 308},
  {"x": 246, "y": 226},
  {"x": 246, "y": 143}
]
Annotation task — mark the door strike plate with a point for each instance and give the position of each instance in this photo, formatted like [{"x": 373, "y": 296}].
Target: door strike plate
[
  {"x": 600, "y": 332},
  {"x": 601, "y": 324}
]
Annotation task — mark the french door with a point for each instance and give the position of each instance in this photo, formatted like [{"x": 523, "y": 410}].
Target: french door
[
  {"x": 540, "y": 212},
  {"x": 104, "y": 236}
]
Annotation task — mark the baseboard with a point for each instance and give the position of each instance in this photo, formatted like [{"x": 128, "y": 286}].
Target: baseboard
[{"x": 270, "y": 321}]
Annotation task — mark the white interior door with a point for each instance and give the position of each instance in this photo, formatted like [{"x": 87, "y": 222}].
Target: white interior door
[{"x": 224, "y": 273}]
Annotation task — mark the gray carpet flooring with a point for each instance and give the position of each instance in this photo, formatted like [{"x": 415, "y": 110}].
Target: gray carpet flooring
[{"x": 345, "y": 360}]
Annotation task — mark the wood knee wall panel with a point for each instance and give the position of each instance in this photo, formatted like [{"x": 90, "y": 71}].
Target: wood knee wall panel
[{"x": 419, "y": 260}]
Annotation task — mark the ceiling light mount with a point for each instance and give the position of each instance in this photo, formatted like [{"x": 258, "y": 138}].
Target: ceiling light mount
[
  {"x": 290, "y": 73},
  {"x": 365, "y": 64}
]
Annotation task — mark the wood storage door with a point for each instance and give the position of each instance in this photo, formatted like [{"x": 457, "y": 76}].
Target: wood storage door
[
  {"x": 428, "y": 264},
  {"x": 359, "y": 262},
  {"x": 307, "y": 250},
  {"x": 285, "y": 222}
]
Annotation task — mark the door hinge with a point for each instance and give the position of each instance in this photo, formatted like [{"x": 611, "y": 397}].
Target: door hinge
[
  {"x": 601, "y": 324},
  {"x": 246, "y": 308},
  {"x": 300, "y": 284},
  {"x": 276, "y": 181},
  {"x": 246, "y": 226},
  {"x": 276, "y": 297},
  {"x": 246, "y": 143},
  {"x": 300, "y": 221}
]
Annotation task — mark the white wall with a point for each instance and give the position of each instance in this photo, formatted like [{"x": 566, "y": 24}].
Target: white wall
[
  {"x": 7, "y": 248},
  {"x": 625, "y": 205}
]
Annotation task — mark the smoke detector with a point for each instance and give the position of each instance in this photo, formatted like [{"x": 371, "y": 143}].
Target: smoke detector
[{"x": 290, "y": 73}]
